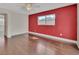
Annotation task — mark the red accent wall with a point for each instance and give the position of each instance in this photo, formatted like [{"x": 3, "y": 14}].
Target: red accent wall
[{"x": 66, "y": 22}]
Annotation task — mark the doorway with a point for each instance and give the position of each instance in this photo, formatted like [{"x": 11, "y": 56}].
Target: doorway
[{"x": 3, "y": 30}]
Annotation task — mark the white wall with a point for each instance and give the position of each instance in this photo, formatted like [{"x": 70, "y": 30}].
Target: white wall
[
  {"x": 78, "y": 25},
  {"x": 17, "y": 23}
]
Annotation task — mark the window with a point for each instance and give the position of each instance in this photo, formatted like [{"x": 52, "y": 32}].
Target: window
[{"x": 46, "y": 20}]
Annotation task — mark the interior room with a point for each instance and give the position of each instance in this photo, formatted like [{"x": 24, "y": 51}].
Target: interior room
[{"x": 39, "y": 29}]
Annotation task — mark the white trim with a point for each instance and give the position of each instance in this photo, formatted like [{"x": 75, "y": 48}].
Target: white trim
[
  {"x": 19, "y": 34},
  {"x": 53, "y": 37},
  {"x": 78, "y": 25},
  {"x": 9, "y": 36},
  {"x": 14, "y": 34}
]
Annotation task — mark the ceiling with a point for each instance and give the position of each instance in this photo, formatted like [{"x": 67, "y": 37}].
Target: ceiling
[{"x": 36, "y": 7}]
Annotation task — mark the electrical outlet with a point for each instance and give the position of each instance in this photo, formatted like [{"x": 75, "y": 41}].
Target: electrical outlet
[{"x": 61, "y": 34}]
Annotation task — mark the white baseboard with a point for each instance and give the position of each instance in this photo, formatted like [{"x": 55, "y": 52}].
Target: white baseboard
[
  {"x": 11, "y": 35},
  {"x": 78, "y": 44},
  {"x": 54, "y": 38}
]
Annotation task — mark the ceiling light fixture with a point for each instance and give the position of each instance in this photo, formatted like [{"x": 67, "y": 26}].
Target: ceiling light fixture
[{"x": 28, "y": 6}]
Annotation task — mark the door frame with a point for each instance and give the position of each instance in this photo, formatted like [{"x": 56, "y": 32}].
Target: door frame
[{"x": 5, "y": 24}]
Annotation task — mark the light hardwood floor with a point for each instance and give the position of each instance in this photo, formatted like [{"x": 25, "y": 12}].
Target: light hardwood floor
[{"x": 28, "y": 45}]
